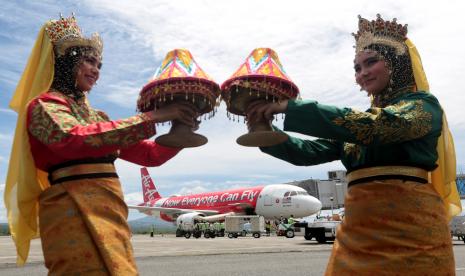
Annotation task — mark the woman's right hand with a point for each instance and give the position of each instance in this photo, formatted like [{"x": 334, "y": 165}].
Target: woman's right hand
[{"x": 181, "y": 112}]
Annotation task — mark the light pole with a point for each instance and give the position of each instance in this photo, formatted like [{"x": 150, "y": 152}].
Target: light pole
[{"x": 331, "y": 198}]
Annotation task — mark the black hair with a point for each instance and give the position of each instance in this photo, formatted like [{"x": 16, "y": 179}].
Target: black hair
[{"x": 66, "y": 66}]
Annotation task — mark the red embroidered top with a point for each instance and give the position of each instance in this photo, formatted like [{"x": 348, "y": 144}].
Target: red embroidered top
[{"x": 63, "y": 129}]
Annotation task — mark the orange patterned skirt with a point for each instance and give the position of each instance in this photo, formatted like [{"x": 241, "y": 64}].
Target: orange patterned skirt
[
  {"x": 392, "y": 227},
  {"x": 83, "y": 228}
]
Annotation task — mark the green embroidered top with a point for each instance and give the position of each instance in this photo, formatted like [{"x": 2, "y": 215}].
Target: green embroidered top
[{"x": 403, "y": 133}]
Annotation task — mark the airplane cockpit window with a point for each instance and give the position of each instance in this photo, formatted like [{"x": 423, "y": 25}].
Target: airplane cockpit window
[
  {"x": 302, "y": 193},
  {"x": 293, "y": 193},
  {"x": 286, "y": 194}
]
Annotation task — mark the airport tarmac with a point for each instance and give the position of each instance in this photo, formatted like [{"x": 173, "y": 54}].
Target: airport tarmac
[
  {"x": 169, "y": 245},
  {"x": 168, "y": 255}
]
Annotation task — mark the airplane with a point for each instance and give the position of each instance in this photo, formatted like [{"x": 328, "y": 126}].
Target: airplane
[{"x": 271, "y": 201}]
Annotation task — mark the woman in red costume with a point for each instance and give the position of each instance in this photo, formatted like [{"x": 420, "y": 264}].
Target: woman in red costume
[{"x": 68, "y": 178}]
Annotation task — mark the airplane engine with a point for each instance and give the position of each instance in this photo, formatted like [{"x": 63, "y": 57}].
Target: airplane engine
[{"x": 186, "y": 221}]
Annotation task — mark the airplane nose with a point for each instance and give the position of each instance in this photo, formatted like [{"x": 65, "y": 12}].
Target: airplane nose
[{"x": 314, "y": 205}]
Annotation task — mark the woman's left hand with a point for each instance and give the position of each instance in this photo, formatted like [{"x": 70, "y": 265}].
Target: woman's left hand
[{"x": 264, "y": 110}]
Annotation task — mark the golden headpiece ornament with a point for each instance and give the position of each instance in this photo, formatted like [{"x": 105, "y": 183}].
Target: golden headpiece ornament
[
  {"x": 65, "y": 33},
  {"x": 380, "y": 31}
]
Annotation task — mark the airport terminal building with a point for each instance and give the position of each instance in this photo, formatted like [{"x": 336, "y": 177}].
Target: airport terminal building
[{"x": 330, "y": 192}]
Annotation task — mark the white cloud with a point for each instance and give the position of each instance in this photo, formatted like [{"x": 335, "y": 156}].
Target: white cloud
[
  {"x": 6, "y": 137},
  {"x": 134, "y": 198},
  {"x": 122, "y": 94},
  {"x": 3, "y": 217},
  {"x": 5, "y": 143},
  {"x": 7, "y": 111},
  {"x": 197, "y": 189}
]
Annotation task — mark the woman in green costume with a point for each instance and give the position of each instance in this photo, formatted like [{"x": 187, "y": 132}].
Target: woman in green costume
[{"x": 398, "y": 154}]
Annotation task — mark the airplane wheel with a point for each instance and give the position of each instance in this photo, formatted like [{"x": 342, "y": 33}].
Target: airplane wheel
[
  {"x": 187, "y": 235},
  {"x": 196, "y": 234},
  {"x": 256, "y": 235},
  {"x": 308, "y": 237},
  {"x": 230, "y": 235},
  {"x": 290, "y": 234},
  {"x": 206, "y": 235},
  {"x": 321, "y": 238}
]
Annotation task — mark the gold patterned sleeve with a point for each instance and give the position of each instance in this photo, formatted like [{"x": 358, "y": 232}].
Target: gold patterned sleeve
[
  {"x": 73, "y": 132},
  {"x": 411, "y": 118}
]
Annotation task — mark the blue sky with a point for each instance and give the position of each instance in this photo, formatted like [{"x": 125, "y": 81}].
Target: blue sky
[{"x": 313, "y": 40}]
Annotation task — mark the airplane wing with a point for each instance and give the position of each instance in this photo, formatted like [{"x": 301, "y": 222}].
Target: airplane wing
[
  {"x": 245, "y": 207},
  {"x": 172, "y": 211},
  {"x": 216, "y": 217},
  {"x": 242, "y": 205}
]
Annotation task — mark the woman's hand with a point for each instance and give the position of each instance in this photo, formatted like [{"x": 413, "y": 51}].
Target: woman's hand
[
  {"x": 264, "y": 111},
  {"x": 182, "y": 112}
]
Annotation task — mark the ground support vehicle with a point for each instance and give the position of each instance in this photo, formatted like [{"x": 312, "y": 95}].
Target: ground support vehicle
[
  {"x": 321, "y": 230},
  {"x": 236, "y": 226},
  {"x": 199, "y": 228},
  {"x": 186, "y": 229},
  {"x": 213, "y": 230},
  {"x": 285, "y": 229}
]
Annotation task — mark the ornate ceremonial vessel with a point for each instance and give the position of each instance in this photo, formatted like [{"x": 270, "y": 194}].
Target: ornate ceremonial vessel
[
  {"x": 180, "y": 79},
  {"x": 260, "y": 78}
]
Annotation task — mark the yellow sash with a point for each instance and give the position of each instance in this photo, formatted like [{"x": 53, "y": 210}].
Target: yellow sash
[
  {"x": 443, "y": 177},
  {"x": 24, "y": 182}
]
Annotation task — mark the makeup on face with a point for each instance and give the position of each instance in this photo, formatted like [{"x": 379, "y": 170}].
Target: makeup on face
[
  {"x": 371, "y": 72},
  {"x": 88, "y": 72}
]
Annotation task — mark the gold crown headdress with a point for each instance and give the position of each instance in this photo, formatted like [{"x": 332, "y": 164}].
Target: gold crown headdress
[
  {"x": 380, "y": 31},
  {"x": 65, "y": 33}
]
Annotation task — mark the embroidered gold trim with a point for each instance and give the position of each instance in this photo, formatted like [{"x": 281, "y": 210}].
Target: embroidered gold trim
[
  {"x": 387, "y": 171},
  {"x": 82, "y": 169},
  {"x": 353, "y": 150},
  {"x": 366, "y": 39},
  {"x": 405, "y": 120}
]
